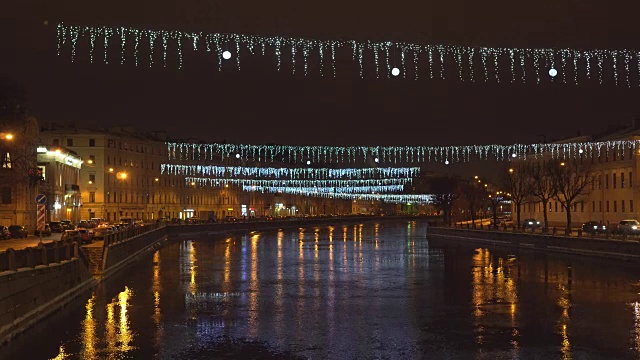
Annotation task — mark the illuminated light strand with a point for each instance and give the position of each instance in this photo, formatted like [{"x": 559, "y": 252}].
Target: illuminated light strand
[
  {"x": 389, "y": 198},
  {"x": 530, "y": 59},
  {"x": 328, "y": 190},
  {"x": 288, "y": 173},
  {"x": 204, "y": 181},
  {"x": 384, "y": 154}
]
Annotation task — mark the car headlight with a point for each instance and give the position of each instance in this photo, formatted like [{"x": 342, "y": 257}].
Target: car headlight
[
  {"x": 530, "y": 222},
  {"x": 538, "y": 222},
  {"x": 595, "y": 226},
  {"x": 604, "y": 227},
  {"x": 634, "y": 227}
]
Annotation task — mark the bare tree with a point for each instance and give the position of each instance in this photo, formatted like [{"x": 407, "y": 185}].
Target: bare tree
[
  {"x": 444, "y": 191},
  {"x": 572, "y": 178},
  {"x": 542, "y": 185},
  {"x": 518, "y": 185},
  {"x": 474, "y": 195}
]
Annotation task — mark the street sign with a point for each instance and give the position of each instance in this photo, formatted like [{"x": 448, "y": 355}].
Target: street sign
[
  {"x": 41, "y": 215},
  {"x": 41, "y": 199}
]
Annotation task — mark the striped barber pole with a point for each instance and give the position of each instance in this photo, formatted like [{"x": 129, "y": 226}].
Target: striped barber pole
[{"x": 41, "y": 213}]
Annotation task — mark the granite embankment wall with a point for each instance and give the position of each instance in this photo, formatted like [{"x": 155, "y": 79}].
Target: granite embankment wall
[
  {"x": 626, "y": 249},
  {"x": 42, "y": 283}
]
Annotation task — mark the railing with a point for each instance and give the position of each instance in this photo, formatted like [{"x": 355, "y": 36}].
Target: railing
[
  {"x": 131, "y": 232},
  {"x": 43, "y": 254}
]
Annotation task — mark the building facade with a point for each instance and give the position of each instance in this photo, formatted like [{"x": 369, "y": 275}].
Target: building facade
[
  {"x": 611, "y": 196},
  {"x": 60, "y": 171}
]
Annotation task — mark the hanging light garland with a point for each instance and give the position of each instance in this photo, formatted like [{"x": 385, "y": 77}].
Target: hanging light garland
[
  {"x": 288, "y": 173},
  {"x": 202, "y": 181},
  {"x": 389, "y": 198},
  {"x": 328, "y": 190},
  {"x": 497, "y": 64},
  {"x": 389, "y": 154}
]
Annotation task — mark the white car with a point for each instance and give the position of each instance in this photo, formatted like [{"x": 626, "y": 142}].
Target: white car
[{"x": 629, "y": 226}]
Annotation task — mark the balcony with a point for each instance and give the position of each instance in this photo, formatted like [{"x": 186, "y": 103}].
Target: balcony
[{"x": 71, "y": 188}]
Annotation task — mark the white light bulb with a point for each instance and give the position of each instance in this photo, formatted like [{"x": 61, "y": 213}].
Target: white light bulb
[
  {"x": 395, "y": 71},
  {"x": 376, "y": 160},
  {"x": 237, "y": 156},
  {"x": 553, "y": 72},
  {"x": 446, "y": 162},
  {"x": 308, "y": 162},
  {"x": 513, "y": 155},
  {"x": 226, "y": 55},
  {"x": 580, "y": 151}
]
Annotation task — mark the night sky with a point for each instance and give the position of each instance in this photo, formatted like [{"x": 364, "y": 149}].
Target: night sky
[{"x": 260, "y": 105}]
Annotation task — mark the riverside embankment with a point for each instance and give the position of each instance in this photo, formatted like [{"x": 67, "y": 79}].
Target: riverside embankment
[{"x": 619, "y": 248}]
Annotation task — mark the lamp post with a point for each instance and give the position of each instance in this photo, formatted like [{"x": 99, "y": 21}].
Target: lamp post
[{"x": 119, "y": 176}]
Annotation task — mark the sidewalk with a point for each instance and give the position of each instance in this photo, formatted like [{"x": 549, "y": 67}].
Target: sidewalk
[{"x": 30, "y": 241}]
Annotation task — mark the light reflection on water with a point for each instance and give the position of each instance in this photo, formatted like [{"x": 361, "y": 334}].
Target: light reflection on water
[{"x": 387, "y": 292}]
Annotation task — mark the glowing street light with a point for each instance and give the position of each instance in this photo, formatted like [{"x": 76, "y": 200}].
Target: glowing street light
[{"x": 8, "y": 136}]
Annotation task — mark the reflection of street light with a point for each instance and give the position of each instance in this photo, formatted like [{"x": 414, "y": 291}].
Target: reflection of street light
[
  {"x": 510, "y": 171},
  {"x": 562, "y": 163}
]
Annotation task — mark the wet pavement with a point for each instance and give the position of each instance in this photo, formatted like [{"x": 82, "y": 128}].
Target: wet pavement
[{"x": 371, "y": 291}]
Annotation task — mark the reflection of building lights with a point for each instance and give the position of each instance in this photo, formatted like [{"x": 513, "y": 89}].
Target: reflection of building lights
[{"x": 156, "y": 179}]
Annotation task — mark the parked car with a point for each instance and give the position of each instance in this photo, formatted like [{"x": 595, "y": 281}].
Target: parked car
[
  {"x": 5, "y": 234},
  {"x": 67, "y": 225},
  {"x": 530, "y": 224},
  {"x": 45, "y": 232},
  {"x": 230, "y": 219},
  {"x": 56, "y": 226},
  {"x": 84, "y": 234},
  {"x": 86, "y": 224},
  {"x": 593, "y": 227},
  {"x": 18, "y": 232},
  {"x": 70, "y": 234},
  {"x": 100, "y": 232},
  {"x": 629, "y": 227}
]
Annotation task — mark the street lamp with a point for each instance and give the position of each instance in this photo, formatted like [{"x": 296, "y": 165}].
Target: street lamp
[
  {"x": 7, "y": 136},
  {"x": 119, "y": 176}
]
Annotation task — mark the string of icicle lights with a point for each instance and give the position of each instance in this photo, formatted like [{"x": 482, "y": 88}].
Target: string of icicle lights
[
  {"x": 200, "y": 181},
  {"x": 391, "y": 154},
  {"x": 388, "y": 58},
  {"x": 374, "y": 189},
  {"x": 388, "y": 198},
  {"x": 288, "y": 173}
]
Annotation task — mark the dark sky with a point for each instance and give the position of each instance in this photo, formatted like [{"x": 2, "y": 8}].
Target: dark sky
[{"x": 259, "y": 105}]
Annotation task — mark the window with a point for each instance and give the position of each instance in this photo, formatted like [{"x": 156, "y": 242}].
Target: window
[
  {"x": 615, "y": 205},
  {"x": 614, "y": 179},
  {"x": 556, "y": 210},
  {"x": 5, "y": 195},
  {"x": 69, "y": 142},
  {"x": 630, "y": 179},
  {"x": 606, "y": 181},
  {"x": 600, "y": 205},
  {"x": 622, "y": 205},
  {"x": 607, "y": 205},
  {"x": 92, "y": 178},
  {"x": 92, "y": 159},
  {"x": 6, "y": 161},
  {"x": 92, "y": 197},
  {"x": 92, "y": 142},
  {"x": 593, "y": 206},
  {"x": 622, "y": 180},
  {"x": 599, "y": 182},
  {"x": 631, "y": 205}
]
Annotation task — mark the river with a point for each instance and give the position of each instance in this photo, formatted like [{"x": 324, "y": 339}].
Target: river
[{"x": 367, "y": 291}]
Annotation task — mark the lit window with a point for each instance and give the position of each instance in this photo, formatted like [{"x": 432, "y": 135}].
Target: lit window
[{"x": 6, "y": 161}]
